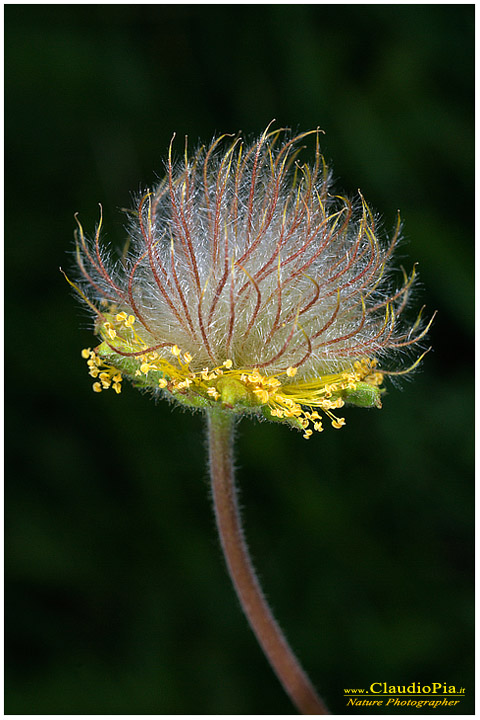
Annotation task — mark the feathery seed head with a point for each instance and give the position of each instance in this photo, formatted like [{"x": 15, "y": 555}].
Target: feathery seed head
[{"x": 247, "y": 285}]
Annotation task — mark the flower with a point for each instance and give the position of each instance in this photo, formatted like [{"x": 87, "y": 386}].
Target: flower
[{"x": 247, "y": 285}]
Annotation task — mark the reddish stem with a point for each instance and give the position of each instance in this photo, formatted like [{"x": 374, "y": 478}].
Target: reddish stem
[{"x": 255, "y": 607}]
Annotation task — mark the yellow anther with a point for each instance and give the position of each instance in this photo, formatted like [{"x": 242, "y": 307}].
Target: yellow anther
[
  {"x": 262, "y": 394},
  {"x": 338, "y": 423},
  {"x": 86, "y": 353},
  {"x": 162, "y": 383},
  {"x": 187, "y": 357},
  {"x": 97, "y": 387},
  {"x": 121, "y": 317},
  {"x": 291, "y": 371},
  {"x": 117, "y": 387},
  {"x": 228, "y": 364},
  {"x": 175, "y": 350},
  {"x": 184, "y": 384},
  {"x": 273, "y": 382},
  {"x": 307, "y": 434},
  {"x": 130, "y": 320},
  {"x": 145, "y": 368},
  {"x": 117, "y": 378}
]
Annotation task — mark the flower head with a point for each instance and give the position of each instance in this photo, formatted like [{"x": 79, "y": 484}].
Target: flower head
[{"x": 247, "y": 285}]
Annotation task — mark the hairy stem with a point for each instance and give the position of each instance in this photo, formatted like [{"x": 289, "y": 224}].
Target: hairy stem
[{"x": 264, "y": 625}]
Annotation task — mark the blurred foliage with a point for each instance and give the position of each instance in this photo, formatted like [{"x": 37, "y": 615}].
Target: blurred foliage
[{"x": 117, "y": 598}]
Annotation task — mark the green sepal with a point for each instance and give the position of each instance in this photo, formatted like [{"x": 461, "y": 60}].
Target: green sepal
[
  {"x": 233, "y": 392},
  {"x": 190, "y": 398},
  {"x": 292, "y": 421},
  {"x": 364, "y": 395}
]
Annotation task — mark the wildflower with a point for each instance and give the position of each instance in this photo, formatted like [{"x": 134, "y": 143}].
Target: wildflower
[
  {"x": 248, "y": 288},
  {"x": 247, "y": 278}
]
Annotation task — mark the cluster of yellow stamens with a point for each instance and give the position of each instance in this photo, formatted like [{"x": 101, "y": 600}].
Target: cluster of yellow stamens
[
  {"x": 238, "y": 389},
  {"x": 108, "y": 376}
]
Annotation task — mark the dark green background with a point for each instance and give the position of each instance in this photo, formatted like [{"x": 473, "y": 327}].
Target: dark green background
[{"x": 117, "y": 598}]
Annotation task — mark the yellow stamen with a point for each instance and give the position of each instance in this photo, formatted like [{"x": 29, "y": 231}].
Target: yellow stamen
[{"x": 213, "y": 392}]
